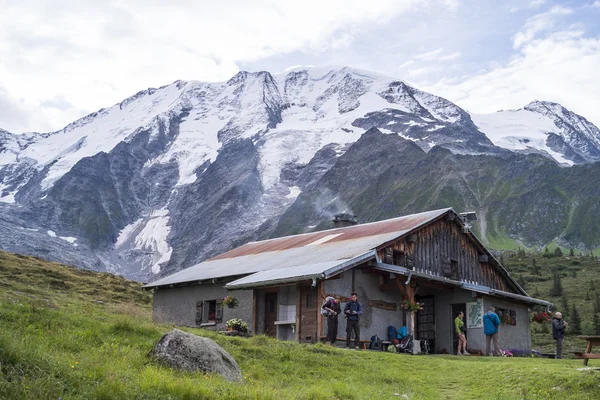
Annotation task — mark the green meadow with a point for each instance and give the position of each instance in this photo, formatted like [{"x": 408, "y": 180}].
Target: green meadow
[{"x": 72, "y": 334}]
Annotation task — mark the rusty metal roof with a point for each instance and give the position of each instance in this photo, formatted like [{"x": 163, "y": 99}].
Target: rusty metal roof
[
  {"x": 340, "y": 244},
  {"x": 400, "y": 224}
]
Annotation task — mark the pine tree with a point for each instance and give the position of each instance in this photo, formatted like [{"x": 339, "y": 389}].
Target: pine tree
[
  {"x": 573, "y": 274},
  {"x": 556, "y": 289},
  {"x": 546, "y": 250},
  {"x": 565, "y": 305},
  {"x": 596, "y": 324},
  {"x": 536, "y": 292},
  {"x": 535, "y": 268},
  {"x": 575, "y": 324},
  {"x": 558, "y": 252},
  {"x": 587, "y": 296},
  {"x": 571, "y": 252},
  {"x": 597, "y": 302},
  {"x": 522, "y": 282}
]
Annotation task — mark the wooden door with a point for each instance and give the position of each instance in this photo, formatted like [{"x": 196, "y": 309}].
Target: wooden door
[
  {"x": 426, "y": 321},
  {"x": 270, "y": 314},
  {"x": 309, "y": 310}
]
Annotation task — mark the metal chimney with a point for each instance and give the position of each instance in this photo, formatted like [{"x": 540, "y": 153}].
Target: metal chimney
[{"x": 342, "y": 220}]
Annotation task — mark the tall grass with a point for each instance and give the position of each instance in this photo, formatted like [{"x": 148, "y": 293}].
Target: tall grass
[{"x": 65, "y": 344}]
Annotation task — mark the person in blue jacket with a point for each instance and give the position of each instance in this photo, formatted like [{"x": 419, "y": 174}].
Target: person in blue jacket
[
  {"x": 558, "y": 332},
  {"x": 491, "y": 322},
  {"x": 353, "y": 311}
]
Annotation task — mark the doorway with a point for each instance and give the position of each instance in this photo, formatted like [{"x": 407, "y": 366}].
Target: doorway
[
  {"x": 426, "y": 321},
  {"x": 270, "y": 313},
  {"x": 456, "y": 308},
  {"x": 309, "y": 310}
]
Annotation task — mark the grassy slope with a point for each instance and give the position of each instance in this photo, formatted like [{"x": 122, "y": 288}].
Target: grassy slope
[
  {"x": 58, "y": 341},
  {"x": 580, "y": 276}
]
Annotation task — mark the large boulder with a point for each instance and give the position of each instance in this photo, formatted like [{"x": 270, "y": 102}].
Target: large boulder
[{"x": 184, "y": 351}]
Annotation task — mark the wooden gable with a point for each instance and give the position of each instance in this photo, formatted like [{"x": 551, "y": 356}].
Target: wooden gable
[{"x": 442, "y": 248}]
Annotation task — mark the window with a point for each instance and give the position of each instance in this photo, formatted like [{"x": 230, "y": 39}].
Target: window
[
  {"x": 209, "y": 311},
  {"x": 271, "y": 305},
  {"x": 454, "y": 268},
  {"x": 309, "y": 300},
  {"x": 395, "y": 257},
  {"x": 507, "y": 317},
  {"x": 398, "y": 258}
]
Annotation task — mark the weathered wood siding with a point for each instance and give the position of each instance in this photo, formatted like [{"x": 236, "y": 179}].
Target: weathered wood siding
[{"x": 436, "y": 246}]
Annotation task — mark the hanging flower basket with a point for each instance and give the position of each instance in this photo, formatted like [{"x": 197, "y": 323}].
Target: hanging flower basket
[
  {"x": 231, "y": 302},
  {"x": 410, "y": 306}
]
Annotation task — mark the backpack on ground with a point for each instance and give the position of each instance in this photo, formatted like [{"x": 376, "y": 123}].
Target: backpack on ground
[
  {"x": 402, "y": 332},
  {"x": 392, "y": 332},
  {"x": 374, "y": 345}
]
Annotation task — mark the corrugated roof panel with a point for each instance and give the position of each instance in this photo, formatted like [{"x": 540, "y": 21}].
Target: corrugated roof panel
[
  {"x": 292, "y": 251},
  {"x": 276, "y": 259},
  {"x": 405, "y": 223},
  {"x": 279, "y": 274}
]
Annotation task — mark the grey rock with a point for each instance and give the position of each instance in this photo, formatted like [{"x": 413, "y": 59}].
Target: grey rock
[{"x": 187, "y": 352}]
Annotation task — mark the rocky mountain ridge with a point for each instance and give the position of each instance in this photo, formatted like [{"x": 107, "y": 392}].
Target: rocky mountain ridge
[{"x": 173, "y": 175}]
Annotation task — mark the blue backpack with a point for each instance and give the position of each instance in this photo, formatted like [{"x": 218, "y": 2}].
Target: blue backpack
[
  {"x": 392, "y": 332},
  {"x": 374, "y": 345},
  {"x": 402, "y": 332}
]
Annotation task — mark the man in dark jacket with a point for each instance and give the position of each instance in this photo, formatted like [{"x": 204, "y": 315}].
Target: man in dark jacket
[
  {"x": 491, "y": 322},
  {"x": 333, "y": 308},
  {"x": 558, "y": 332},
  {"x": 353, "y": 311}
]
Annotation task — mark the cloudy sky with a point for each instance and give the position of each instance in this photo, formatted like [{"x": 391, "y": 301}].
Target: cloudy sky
[{"x": 60, "y": 60}]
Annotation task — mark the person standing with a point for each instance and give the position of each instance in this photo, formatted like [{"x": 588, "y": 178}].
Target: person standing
[
  {"x": 491, "y": 322},
  {"x": 459, "y": 328},
  {"x": 353, "y": 311},
  {"x": 333, "y": 310},
  {"x": 558, "y": 332}
]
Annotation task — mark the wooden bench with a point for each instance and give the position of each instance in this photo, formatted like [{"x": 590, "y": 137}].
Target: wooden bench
[
  {"x": 587, "y": 355},
  {"x": 364, "y": 344}
]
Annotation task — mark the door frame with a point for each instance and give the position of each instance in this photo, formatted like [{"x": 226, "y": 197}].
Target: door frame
[
  {"x": 268, "y": 293},
  {"x": 434, "y": 344}
]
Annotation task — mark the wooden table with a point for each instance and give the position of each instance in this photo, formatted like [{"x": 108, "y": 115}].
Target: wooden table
[{"x": 591, "y": 342}]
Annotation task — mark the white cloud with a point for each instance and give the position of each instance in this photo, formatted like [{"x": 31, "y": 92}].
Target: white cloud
[
  {"x": 532, "y": 4},
  {"x": 436, "y": 55},
  {"x": 596, "y": 4},
  {"x": 452, "y": 4},
  {"x": 93, "y": 54},
  {"x": 539, "y": 23},
  {"x": 561, "y": 67}
]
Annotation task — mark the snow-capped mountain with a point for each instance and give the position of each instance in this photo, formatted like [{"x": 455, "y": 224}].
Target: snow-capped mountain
[
  {"x": 173, "y": 175},
  {"x": 544, "y": 127}
]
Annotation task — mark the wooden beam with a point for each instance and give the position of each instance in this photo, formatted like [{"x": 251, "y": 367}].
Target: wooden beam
[
  {"x": 401, "y": 287},
  {"x": 411, "y": 315},
  {"x": 298, "y": 305},
  {"x": 384, "y": 305},
  {"x": 320, "y": 298},
  {"x": 254, "y": 312},
  {"x": 435, "y": 285}
]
